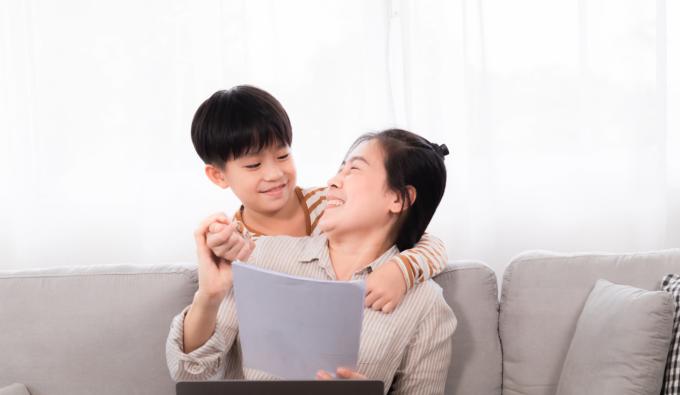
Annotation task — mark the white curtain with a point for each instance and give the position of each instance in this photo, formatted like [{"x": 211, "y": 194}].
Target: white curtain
[{"x": 561, "y": 116}]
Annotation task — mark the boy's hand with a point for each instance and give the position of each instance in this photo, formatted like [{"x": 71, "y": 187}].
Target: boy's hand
[
  {"x": 385, "y": 288},
  {"x": 227, "y": 242}
]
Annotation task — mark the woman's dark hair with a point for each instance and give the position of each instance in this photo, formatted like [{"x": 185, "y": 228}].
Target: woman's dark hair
[
  {"x": 236, "y": 122},
  {"x": 411, "y": 160}
]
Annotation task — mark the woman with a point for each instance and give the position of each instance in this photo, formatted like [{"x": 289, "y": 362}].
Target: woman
[{"x": 379, "y": 202}]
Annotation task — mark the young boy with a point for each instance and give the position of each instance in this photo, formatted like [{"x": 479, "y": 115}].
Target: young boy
[{"x": 243, "y": 135}]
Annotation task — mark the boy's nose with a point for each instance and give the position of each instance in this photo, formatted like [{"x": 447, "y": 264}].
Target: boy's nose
[{"x": 273, "y": 173}]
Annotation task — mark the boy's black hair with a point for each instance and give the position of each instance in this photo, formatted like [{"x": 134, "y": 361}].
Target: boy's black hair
[
  {"x": 411, "y": 160},
  {"x": 237, "y": 122}
]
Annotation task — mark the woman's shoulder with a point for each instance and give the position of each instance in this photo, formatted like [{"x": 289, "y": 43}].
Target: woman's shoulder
[{"x": 428, "y": 296}]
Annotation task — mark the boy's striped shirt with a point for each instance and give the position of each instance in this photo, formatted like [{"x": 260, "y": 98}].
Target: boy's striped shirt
[{"x": 422, "y": 262}]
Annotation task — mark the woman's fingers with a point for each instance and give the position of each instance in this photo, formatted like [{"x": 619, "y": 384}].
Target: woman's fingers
[
  {"x": 341, "y": 373},
  {"x": 345, "y": 373},
  {"x": 323, "y": 375}
]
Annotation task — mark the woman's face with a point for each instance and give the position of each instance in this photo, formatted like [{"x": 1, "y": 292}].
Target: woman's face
[{"x": 358, "y": 198}]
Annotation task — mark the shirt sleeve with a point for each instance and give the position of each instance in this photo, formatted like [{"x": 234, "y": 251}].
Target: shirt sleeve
[
  {"x": 422, "y": 262},
  {"x": 211, "y": 359},
  {"x": 424, "y": 368}
]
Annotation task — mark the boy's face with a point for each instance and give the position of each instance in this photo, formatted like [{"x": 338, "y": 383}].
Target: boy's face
[{"x": 263, "y": 181}]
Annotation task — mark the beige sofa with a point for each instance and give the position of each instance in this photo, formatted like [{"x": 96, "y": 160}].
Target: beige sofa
[{"x": 101, "y": 329}]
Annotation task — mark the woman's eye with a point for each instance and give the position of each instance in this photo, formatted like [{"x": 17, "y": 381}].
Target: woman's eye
[
  {"x": 253, "y": 166},
  {"x": 284, "y": 156},
  {"x": 354, "y": 168}
]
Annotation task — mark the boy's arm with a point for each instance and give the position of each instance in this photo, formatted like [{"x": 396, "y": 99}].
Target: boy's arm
[
  {"x": 386, "y": 287},
  {"x": 422, "y": 262}
]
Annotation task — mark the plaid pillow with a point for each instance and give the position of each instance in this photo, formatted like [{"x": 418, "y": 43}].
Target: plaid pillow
[{"x": 671, "y": 381}]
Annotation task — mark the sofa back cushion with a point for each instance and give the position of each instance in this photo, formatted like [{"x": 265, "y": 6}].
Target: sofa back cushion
[
  {"x": 542, "y": 297},
  {"x": 471, "y": 289},
  {"x": 90, "y": 330},
  {"x": 102, "y": 329}
]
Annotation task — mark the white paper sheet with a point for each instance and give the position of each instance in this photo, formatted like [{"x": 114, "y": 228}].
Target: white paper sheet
[{"x": 293, "y": 326}]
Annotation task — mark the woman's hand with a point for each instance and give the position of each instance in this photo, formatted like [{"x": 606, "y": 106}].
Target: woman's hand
[
  {"x": 341, "y": 373},
  {"x": 214, "y": 274}
]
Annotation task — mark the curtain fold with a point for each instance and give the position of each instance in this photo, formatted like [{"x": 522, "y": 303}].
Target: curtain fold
[{"x": 560, "y": 116}]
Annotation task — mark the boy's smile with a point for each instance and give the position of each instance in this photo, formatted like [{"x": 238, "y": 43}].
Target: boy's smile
[
  {"x": 276, "y": 191},
  {"x": 264, "y": 181}
]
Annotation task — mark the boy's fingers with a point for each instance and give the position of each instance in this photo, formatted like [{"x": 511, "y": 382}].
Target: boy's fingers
[
  {"x": 245, "y": 252},
  {"x": 234, "y": 244},
  {"x": 221, "y": 237},
  {"x": 371, "y": 297},
  {"x": 378, "y": 304},
  {"x": 388, "y": 307},
  {"x": 226, "y": 250},
  {"x": 218, "y": 241}
]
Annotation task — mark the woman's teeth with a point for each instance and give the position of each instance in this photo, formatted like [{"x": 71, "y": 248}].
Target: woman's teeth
[{"x": 335, "y": 203}]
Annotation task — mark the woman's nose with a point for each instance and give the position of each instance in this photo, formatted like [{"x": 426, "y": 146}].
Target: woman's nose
[{"x": 335, "y": 181}]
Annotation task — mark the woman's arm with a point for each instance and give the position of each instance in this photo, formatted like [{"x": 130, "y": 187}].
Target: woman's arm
[
  {"x": 204, "y": 332},
  {"x": 208, "y": 360},
  {"x": 425, "y": 364}
]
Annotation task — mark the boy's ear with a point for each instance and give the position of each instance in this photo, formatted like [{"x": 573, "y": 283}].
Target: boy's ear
[
  {"x": 216, "y": 176},
  {"x": 398, "y": 205}
]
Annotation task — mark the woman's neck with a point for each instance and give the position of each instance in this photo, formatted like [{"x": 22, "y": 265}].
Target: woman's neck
[
  {"x": 353, "y": 252},
  {"x": 290, "y": 220}
]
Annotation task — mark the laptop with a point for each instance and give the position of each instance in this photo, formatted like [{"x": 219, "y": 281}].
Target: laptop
[{"x": 286, "y": 387}]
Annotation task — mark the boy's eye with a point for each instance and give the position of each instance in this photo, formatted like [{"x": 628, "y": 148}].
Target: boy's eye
[
  {"x": 253, "y": 166},
  {"x": 283, "y": 156}
]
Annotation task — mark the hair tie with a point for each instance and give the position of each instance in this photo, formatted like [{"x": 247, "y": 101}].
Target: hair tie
[{"x": 442, "y": 149}]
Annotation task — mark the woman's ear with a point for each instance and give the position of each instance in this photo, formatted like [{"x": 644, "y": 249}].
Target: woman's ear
[
  {"x": 398, "y": 205},
  {"x": 216, "y": 176}
]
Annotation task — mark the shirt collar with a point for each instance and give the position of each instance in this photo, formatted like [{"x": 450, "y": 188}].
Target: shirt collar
[
  {"x": 392, "y": 251},
  {"x": 314, "y": 249},
  {"x": 317, "y": 250}
]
